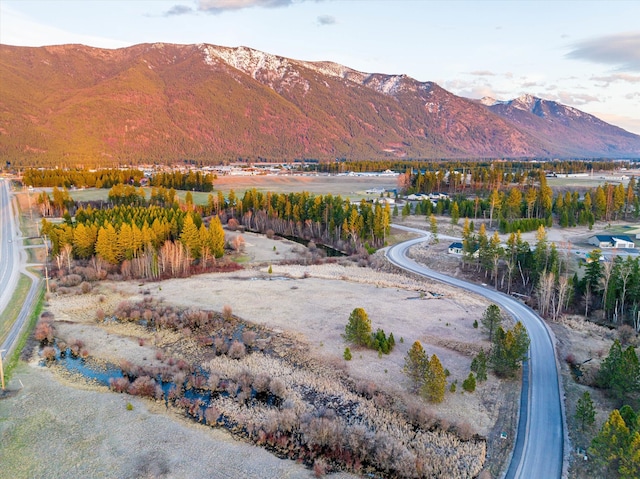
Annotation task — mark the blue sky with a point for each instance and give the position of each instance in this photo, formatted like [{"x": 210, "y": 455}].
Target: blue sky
[{"x": 585, "y": 54}]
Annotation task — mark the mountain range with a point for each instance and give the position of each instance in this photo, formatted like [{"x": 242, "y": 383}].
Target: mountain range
[{"x": 73, "y": 104}]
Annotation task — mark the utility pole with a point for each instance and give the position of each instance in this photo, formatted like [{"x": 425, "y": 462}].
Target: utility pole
[{"x": 2, "y": 369}]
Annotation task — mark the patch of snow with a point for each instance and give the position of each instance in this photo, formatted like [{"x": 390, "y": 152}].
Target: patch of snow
[
  {"x": 488, "y": 101},
  {"x": 335, "y": 70},
  {"x": 431, "y": 107},
  {"x": 573, "y": 111},
  {"x": 525, "y": 102},
  {"x": 387, "y": 84},
  {"x": 261, "y": 66}
]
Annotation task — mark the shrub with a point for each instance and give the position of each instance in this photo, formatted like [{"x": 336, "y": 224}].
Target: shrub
[
  {"x": 626, "y": 334},
  {"x": 221, "y": 345},
  {"x": 143, "y": 386},
  {"x": 227, "y": 312},
  {"x": 249, "y": 337},
  {"x": 382, "y": 343},
  {"x": 319, "y": 467},
  {"x": 465, "y": 431},
  {"x": 238, "y": 243},
  {"x": 261, "y": 383},
  {"x": 85, "y": 287},
  {"x": 277, "y": 388},
  {"x": 347, "y": 354},
  {"x": 49, "y": 353},
  {"x": 454, "y": 386},
  {"x": 469, "y": 384},
  {"x": 44, "y": 331},
  {"x": 119, "y": 385},
  {"x": 479, "y": 366},
  {"x": 71, "y": 280},
  {"x": 237, "y": 350},
  {"x": 211, "y": 415}
]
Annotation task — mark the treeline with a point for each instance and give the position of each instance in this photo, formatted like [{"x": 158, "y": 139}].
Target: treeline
[
  {"x": 539, "y": 271},
  {"x": 510, "y": 167},
  {"x": 191, "y": 181},
  {"x": 526, "y": 208},
  {"x": 613, "y": 287},
  {"x": 328, "y": 219},
  {"x": 146, "y": 242},
  {"x": 80, "y": 178},
  {"x": 107, "y": 178},
  {"x": 615, "y": 449}
]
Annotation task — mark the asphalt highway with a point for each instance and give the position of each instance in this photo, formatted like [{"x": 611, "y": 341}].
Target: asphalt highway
[
  {"x": 538, "y": 451},
  {"x": 9, "y": 260},
  {"x": 12, "y": 263}
]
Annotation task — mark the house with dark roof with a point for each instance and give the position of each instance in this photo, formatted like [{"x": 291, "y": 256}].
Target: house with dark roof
[
  {"x": 612, "y": 241},
  {"x": 456, "y": 248}
]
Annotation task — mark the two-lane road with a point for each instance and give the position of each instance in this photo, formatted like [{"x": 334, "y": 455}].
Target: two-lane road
[
  {"x": 12, "y": 264},
  {"x": 538, "y": 452},
  {"x": 9, "y": 259}
]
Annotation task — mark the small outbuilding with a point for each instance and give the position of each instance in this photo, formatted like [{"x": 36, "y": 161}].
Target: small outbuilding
[{"x": 456, "y": 248}]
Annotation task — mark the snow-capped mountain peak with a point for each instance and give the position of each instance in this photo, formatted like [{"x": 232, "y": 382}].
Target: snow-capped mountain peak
[{"x": 525, "y": 102}]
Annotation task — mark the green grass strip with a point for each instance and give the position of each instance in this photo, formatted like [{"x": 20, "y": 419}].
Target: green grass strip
[
  {"x": 12, "y": 361},
  {"x": 15, "y": 305}
]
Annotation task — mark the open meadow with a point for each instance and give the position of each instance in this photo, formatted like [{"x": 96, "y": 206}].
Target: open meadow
[
  {"x": 304, "y": 307},
  {"x": 352, "y": 187},
  {"x": 294, "y": 310}
]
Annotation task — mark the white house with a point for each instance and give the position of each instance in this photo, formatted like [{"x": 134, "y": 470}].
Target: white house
[
  {"x": 611, "y": 241},
  {"x": 456, "y": 248}
]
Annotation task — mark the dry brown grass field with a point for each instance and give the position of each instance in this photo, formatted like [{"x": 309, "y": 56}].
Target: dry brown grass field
[
  {"x": 309, "y": 304},
  {"x": 352, "y": 187}
]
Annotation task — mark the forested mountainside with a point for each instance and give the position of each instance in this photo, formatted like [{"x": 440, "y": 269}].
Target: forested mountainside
[{"x": 72, "y": 104}]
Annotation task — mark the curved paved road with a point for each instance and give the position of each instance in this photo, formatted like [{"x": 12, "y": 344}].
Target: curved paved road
[{"x": 538, "y": 452}]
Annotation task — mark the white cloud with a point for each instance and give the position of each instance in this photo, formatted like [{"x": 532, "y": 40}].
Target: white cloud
[
  {"x": 326, "y": 20},
  {"x": 622, "y": 50},
  {"x": 573, "y": 99},
  {"x": 179, "y": 10},
  {"x": 219, "y": 6},
  {"x": 482, "y": 73},
  {"x": 617, "y": 77}
]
